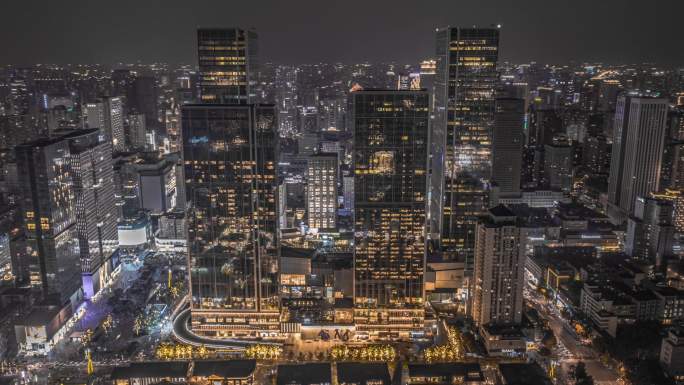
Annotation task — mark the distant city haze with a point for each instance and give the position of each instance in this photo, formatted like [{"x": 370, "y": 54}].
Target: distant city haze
[{"x": 306, "y": 31}]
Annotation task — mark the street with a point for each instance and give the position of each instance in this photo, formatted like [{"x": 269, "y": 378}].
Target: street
[{"x": 569, "y": 341}]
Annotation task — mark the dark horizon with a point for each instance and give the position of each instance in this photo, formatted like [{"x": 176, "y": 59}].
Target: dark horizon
[{"x": 306, "y": 32}]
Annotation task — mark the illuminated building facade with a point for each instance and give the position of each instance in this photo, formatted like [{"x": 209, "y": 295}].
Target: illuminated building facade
[
  {"x": 229, "y": 152},
  {"x": 638, "y": 141},
  {"x": 173, "y": 129},
  {"x": 321, "y": 195},
  {"x": 465, "y": 82},
  {"x": 48, "y": 201},
  {"x": 227, "y": 64},
  {"x": 677, "y": 199},
  {"x": 672, "y": 169},
  {"x": 390, "y": 160},
  {"x": 96, "y": 212},
  {"x": 499, "y": 269},
  {"x": 137, "y": 138},
  {"x": 107, "y": 115}
]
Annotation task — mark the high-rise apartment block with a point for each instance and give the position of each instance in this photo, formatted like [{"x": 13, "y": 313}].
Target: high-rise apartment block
[
  {"x": 650, "y": 230},
  {"x": 322, "y": 191},
  {"x": 499, "y": 269}
]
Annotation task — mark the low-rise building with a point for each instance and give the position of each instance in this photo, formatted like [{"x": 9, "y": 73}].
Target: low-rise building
[
  {"x": 172, "y": 235},
  {"x": 443, "y": 280},
  {"x": 304, "y": 374},
  {"x": 522, "y": 374},
  {"x": 534, "y": 198},
  {"x": 147, "y": 373},
  {"x": 355, "y": 373},
  {"x": 597, "y": 304},
  {"x": 445, "y": 374},
  {"x": 672, "y": 354},
  {"x": 42, "y": 328},
  {"x": 215, "y": 372},
  {"x": 135, "y": 234},
  {"x": 222, "y": 372},
  {"x": 671, "y": 304},
  {"x": 503, "y": 340}
]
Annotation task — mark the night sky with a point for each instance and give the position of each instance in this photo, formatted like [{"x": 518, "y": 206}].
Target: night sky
[{"x": 304, "y": 31}]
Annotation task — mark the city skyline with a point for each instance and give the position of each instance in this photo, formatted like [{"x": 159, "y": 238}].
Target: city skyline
[{"x": 240, "y": 221}]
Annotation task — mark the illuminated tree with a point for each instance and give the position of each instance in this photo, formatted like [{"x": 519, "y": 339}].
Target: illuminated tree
[
  {"x": 364, "y": 353},
  {"x": 263, "y": 352}
]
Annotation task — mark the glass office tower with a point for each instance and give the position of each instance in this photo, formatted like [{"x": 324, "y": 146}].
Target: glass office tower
[
  {"x": 227, "y": 65},
  {"x": 465, "y": 83},
  {"x": 390, "y": 169},
  {"x": 229, "y": 152},
  {"x": 48, "y": 202}
]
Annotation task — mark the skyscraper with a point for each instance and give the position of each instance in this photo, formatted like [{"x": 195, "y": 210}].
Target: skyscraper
[
  {"x": 507, "y": 144},
  {"x": 650, "y": 231},
  {"x": 465, "y": 82},
  {"x": 499, "y": 267},
  {"x": 107, "y": 115},
  {"x": 638, "y": 140},
  {"x": 137, "y": 129},
  {"x": 142, "y": 99},
  {"x": 390, "y": 167},
  {"x": 596, "y": 155},
  {"x": 672, "y": 167},
  {"x": 322, "y": 191},
  {"x": 48, "y": 201},
  {"x": 348, "y": 187},
  {"x": 96, "y": 216},
  {"x": 227, "y": 65},
  {"x": 229, "y": 152},
  {"x": 558, "y": 164}
]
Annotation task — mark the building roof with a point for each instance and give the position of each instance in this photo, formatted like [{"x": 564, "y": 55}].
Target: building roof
[
  {"x": 644, "y": 295},
  {"x": 40, "y": 316},
  {"x": 324, "y": 155},
  {"x": 15, "y": 291},
  {"x": 666, "y": 291},
  {"x": 360, "y": 373},
  {"x": 344, "y": 303},
  {"x": 503, "y": 331},
  {"x": 390, "y": 91},
  {"x": 470, "y": 370},
  {"x": 153, "y": 369},
  {"x": 523, "y": 374},
  {"x": 575, "y": 211},
  {"x": 200, "y": 106},
  {"x": 296, "y": 252},
  {"x": 304, "y": 374},
  {"x": 224, "y": 368},
  {"x": 501, "y": 211}
]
